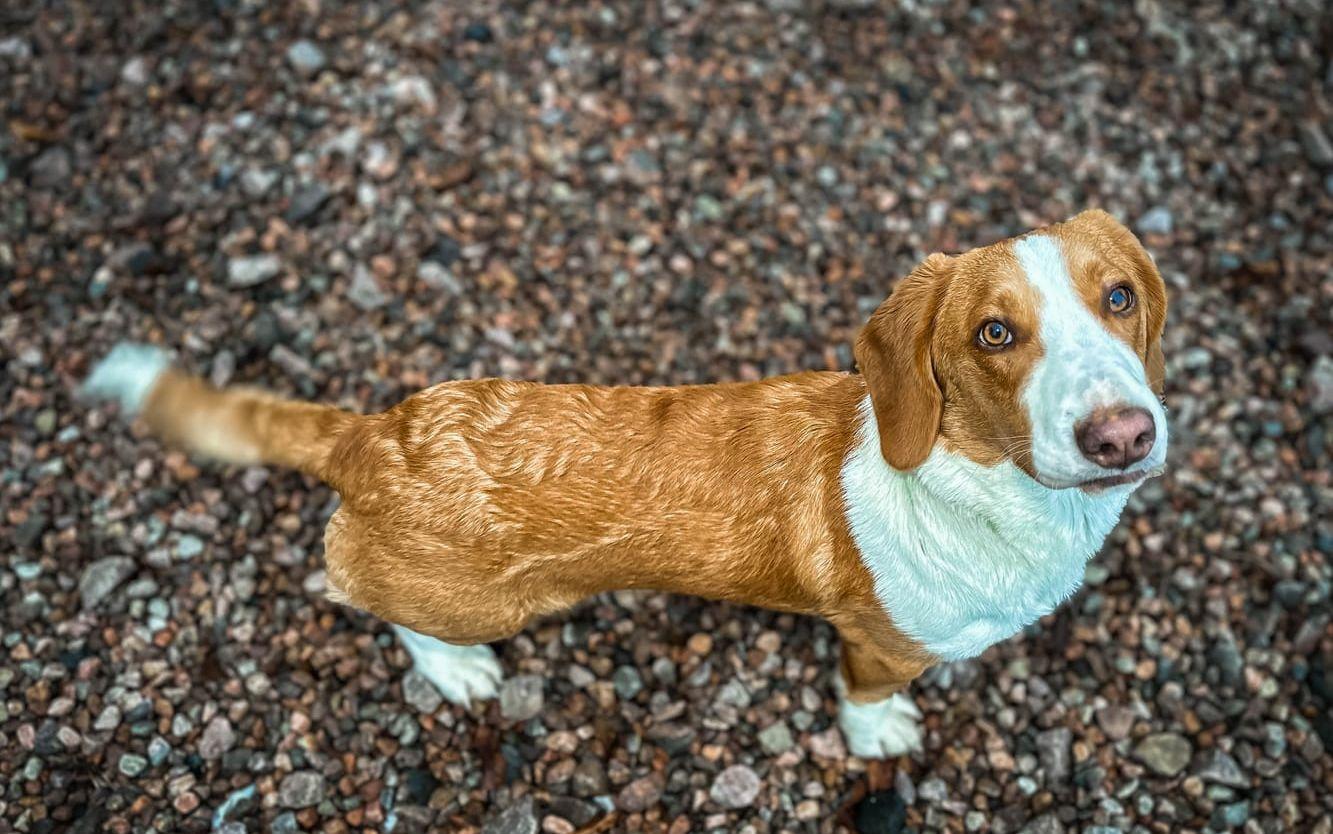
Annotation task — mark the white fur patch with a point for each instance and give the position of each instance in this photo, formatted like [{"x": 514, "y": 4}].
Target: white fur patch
[
  {"x": 963, "y": 555},
  {"x": 126, "y": 375},
  {"x": 460, "y": 673},
  {"x": 1083, "y": 368},
  {"x": 880, "y": 729}
]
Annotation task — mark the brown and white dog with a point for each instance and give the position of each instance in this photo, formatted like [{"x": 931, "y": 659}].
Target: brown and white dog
[{"x": 930, "y": 506}]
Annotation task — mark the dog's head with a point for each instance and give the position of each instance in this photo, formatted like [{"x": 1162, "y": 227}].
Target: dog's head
[{"x": 1044, "y": 350}]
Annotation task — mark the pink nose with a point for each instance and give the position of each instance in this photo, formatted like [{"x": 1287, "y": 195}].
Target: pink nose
[{"x": 1116, "y": 438}]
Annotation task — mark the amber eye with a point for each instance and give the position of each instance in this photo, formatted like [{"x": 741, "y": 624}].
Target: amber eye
[
  {"x": 994, "y": 334},
  {"x": 1120, "y": 299}
]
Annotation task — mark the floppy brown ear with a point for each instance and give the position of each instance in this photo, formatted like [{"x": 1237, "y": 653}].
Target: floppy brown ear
[
  {"x": 1155, "y": 304},
  {"x": 893, "y": 353}
]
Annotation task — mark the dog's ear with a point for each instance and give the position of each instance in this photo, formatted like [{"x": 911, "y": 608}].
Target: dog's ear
[
  {"x": 1154, "y": 291},
  {"x": 893, "y": 353}
]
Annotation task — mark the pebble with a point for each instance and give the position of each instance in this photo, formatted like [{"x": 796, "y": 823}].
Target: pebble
[
  {"x": 1220, "y": 768},
  {"x": 252, "y": 270},
  {"x": 735, "y": 787},
  {"x": 217, "y": 738},
  {"x": 301, "y": 789},
  {"x": 421, "y": 693},
  {"x": 640, "y": 795},
  {"x": 1156, "y": 221},
  {"x": 365, "y": 291},
  {"x": 776, "y": 738},
  {"x": 102, "y": 577},
  {"x": 306, "y": 58},
  {"x": 519, "y": 818},
  {"x": 132, "y": 765},
  {"x": 1166, "y": 754},
  {"x": 1053, "y": 749},
  {"x": 521, "y": 697}
]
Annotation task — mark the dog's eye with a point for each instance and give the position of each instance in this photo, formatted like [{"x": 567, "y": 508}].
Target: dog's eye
[
  {"x": 1120, "y": 300},
  {"x": 994, "y": 334}
]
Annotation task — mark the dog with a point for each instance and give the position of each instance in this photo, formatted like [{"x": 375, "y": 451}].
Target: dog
[{"x": 937, "y": 502}]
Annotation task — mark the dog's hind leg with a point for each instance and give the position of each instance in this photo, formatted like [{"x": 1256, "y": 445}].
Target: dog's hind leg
[{"x": 461, "y": 673}]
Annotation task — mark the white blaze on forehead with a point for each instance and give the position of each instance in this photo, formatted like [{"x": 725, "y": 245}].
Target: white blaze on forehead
[{"x": 1083, "y": 367}]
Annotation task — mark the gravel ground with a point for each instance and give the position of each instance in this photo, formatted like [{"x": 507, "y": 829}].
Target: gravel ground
[{"x": 352, "y": 201}]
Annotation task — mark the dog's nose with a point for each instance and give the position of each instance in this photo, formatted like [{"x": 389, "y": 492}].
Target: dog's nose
[{"x": 1116, "y": 439}]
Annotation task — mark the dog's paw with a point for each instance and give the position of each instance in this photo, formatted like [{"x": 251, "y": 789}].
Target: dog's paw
[
  {"x": 881, "y": 729},
  {"x": 462, "y": 674}
]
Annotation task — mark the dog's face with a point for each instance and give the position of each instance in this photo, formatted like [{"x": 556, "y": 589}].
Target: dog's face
[{"x": 1043, "y": 350}]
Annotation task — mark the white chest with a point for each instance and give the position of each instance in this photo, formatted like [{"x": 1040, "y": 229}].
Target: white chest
[{"x": 964, "y": 556}]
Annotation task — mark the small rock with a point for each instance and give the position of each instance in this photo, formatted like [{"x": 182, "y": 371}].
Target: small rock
[
  {"x": 306, "y": 203},
  {"x": 735, "y": 787},
  {"x": 1233, "y": 815},
  {"x": 132, "y": 765},
  {"x": 158, "y": 750},
  {"x": 776, "y": 738},
  {"x": 589, "y": 779},
  {"x": 627, "y": 682},
  {"x": 1116, "y": 721},
  {"x": 306, "y": 58},
  {"x": 1155, "y": 221},
  {"x": 301, "y": 789},
  {"x": 256, "y": 182},
  {"x": 478, "y": 32},
  {"x": 51, "y": 168},
  {"x": 1053, "y": 751},
  {"x": 1220, "y": 768},
  {"x": 519, "y": 818},
  {"x": 102, "y": 577},
  {"x": 439, "y": 277},
  {"x": 1321, "y": 385},
  {"x": 217, "y": 738},
  {"x": 421, "y": 693},
  {"x": 251, "y": 270},
  {"x": 521, "y": 697},
  {"x": 365, "y": 291},
  {"x": 1317, "y": 145},
  {"x": 640, "y": 795},
  {"x": 828, "y": 744},
  {"x": 1044, "y": 824},
  {"x": 1166, "y": 754},
  {"x": 189, "y": 546}
]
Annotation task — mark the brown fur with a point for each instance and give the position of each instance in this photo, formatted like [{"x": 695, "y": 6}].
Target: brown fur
[{"x": 472, "y": 507}]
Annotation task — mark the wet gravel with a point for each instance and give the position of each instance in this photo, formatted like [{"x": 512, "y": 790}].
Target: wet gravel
[{"x": 352, "y": 201}]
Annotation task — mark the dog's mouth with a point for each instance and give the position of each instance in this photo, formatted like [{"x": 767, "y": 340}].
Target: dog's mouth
[{"x": 1092, "y": 486}]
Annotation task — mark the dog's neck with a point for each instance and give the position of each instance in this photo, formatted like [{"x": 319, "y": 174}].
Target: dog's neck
[{"x": 965, "y": 555}]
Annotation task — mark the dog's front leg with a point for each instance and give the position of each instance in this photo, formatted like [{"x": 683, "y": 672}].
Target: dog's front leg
[{"x": 878, "y": 719}]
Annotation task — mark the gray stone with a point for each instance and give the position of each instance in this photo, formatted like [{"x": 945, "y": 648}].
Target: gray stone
[
  {"x": 640, "y": 795},
  {"x": 1053, "y": 751},
  {"x": 132, "y": 765},
  {"x": 1044, "y": 824},
  {"x": 301, "y": 789},
  {"x": 1321, "y": 385},
  {"x": 1165, "y": 754},
  {"x": 216, "y": 739},
  {"x": 251, "y": 270},
  {"x": 589, "y": 779},
  {"x": 189, "y": 546},
  {"x": 421, "y": 693},
  {"x": 627, "y": 681},
  {"x": 285, "y": 823},
  {"x": 256, "y": 182},
  {"x": 158, "y": 750},
  {"x": 1233, "y": 815},
  {"x": 306, "y": 203},
  {"x": 1156, "y": 221},
  {"x": 1317, "y": 145},
  {"x": 1220, "y": 768},
  {"x": 365, "y": 291},
  {"x": 306, "y": 58},
  {"x": 776, "y": 738},
  {"x": 735, "y": 787},
  {"x": 438, "y": 277},
  {"x": 519, "y": 818},
  {"x": 51, "y": 168},
  {"x": 521, "y": 697},
  {"x": 102, "y": 577}
]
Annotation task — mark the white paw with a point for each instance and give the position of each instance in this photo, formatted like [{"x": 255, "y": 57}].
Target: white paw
[
  {"x": 881, "y": 729},
  {"x": 462, "y": 674}
]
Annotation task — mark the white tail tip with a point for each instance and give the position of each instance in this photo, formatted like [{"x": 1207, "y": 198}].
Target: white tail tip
[{"x": 126, "y": 375}]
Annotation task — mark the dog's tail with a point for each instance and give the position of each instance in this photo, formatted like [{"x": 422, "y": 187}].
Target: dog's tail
[{"x": 234, "y": 425}]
